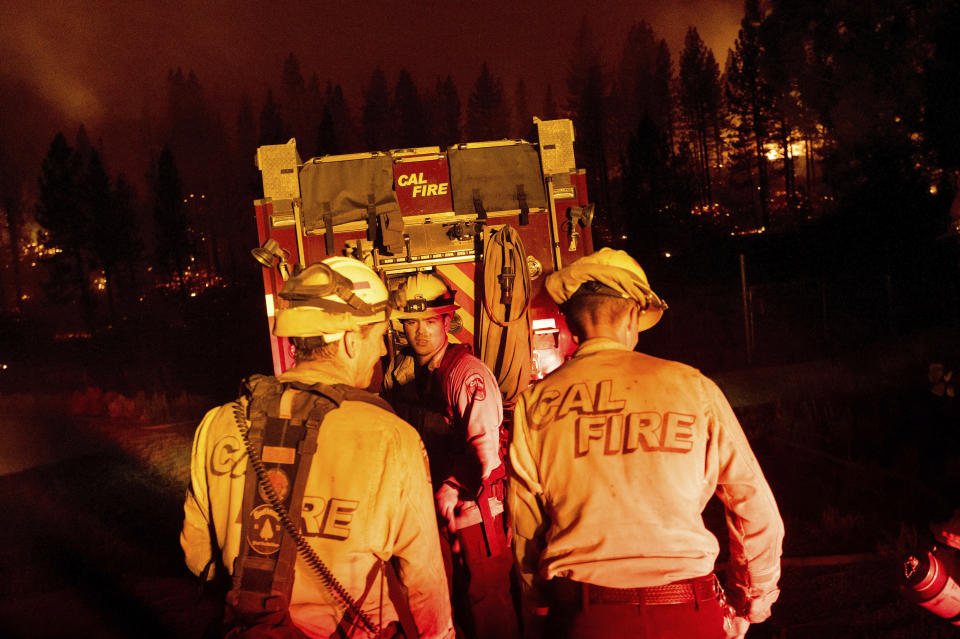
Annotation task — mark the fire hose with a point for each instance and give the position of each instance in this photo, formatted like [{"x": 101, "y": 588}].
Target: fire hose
[{"x": 504, "y": 327}]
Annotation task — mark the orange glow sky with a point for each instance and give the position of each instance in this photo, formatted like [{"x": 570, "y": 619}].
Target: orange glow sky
[{"x": 103, "y": 62}]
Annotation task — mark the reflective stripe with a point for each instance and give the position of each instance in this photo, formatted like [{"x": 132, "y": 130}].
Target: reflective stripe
[
  {"x": 270, "y": 309},
  {"x": 460, "y": 276}
]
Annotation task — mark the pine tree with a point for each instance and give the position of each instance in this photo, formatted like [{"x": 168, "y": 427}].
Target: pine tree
[
  {"x": 273, "y": 129},
  {"x": 11, "y": 203},
  {"x": 66, "y": 226},
  {"x": 446, "y": 113},
  {"x": 646, "y": 178},
  {"x": 587, "y": 102},
  {"x": 750, "y": 100},
  {"x": 95, "y": 202},
  {"x": 294, "y": 104},
  {"x": 662, "y": 101},
  {"x": 550, "y": 111},
  {"x": 376, "y": 122},
  {"x": 488, "y": 116},
  {"x": 344, "y": 129},
  {"x": 172, "y": 244},
  {"x": 327, "y": 135},
  {"x": 247, "y": 135},
  {"x": 314, "y": 106},
  {"x": 524, "y": 128},
  {"x": 409, "y": 112},
  {"x": 633, "y": 94},
  {"x": 700, "y": 103},
  {"x": 126, "y": 250}
]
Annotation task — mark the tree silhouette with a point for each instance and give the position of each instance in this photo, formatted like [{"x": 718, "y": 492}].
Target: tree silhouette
[
  {"x": 700, "y": 102},
  {"x": 640, "y": 119},
  {"x": 343, "y": 127},
  {"x": 245, "y": 148},
  {"x": 326, "y": 135},
  {"x": 197, "y": 138},
  {"x": 662, "y": 100},
  {"x": 524, "y": 128},
  {"x": 587, "y": 104},
  {"x": 11, "y": 203},
  {"x": 750, "y": 100},
  {"x": 942, "y": 92},
  {"x": 124, "y": 245},
  {"x": 24, "y": 109},
  {"x": 273, "y": 129},
  {"x": 446, "y": 113},
  {"x": 634, "y": 92},
  {"x": 549, "y": 111},
  {"x": 850, "y": 69},
  {"x": 314, "y": 106},
  {"x": 488, "y": 117},
  {"x": 114, "y": 240},
  {"x": 376, "y": 122},
  {"x": 66, "y": 229},
  {"x": 172, "y": 244},
  {"x": 409, "y": 112},
  {"x": 646, "y": 181},
  {"x": 95, "y": 206},
  {"x": 294, "y": 104}
]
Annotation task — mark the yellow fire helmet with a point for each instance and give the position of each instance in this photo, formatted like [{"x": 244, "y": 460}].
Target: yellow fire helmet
[
  {"x": 423, "y": 295},
  {"x": 608, "y": 272},
  {"x": 329, "y": 298}
]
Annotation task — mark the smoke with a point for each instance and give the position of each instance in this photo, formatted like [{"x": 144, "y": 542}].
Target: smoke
[{"x": 104, "y": 63}]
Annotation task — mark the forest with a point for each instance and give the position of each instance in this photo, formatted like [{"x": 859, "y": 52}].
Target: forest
[{"x": 795, "y": 191}]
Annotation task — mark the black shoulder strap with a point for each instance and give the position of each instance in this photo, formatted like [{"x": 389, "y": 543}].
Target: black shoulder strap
[
  {"x": 283, "y": 428},
  {"x": 284, "y": 421}
]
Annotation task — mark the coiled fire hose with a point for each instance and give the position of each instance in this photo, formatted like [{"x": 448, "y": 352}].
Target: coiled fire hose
[{"x": 504, "y": 327}]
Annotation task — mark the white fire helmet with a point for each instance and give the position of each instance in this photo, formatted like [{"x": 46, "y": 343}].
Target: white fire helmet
[
  {"x": 608, "y": 272},
  {"x": 423, "y": 295},
  {"x": 329, "y": 298}
]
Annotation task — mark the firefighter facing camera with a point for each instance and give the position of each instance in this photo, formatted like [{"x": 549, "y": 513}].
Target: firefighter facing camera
[
  {"x": 453, "y": 401},
  {"x": 309, "y": 490},
  {"x": 614, "y": 457}
]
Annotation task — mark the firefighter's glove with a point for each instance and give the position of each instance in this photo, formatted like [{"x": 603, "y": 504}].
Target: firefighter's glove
[
  {"x": 734, "y": 626},
  {"x": 948, "y": 532},
  {"x": 493, "y": 484},
  {"x": 448, "y": 496}
]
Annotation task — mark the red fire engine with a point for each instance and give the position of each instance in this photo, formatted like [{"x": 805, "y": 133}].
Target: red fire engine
[{"x": 493, "y": 218}]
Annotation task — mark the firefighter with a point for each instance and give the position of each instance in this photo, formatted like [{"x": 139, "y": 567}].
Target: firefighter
[
  {"x": 367, "y": 504},
  {"x": 613, "y": 458},
  {"x": 453, "y": 400}
]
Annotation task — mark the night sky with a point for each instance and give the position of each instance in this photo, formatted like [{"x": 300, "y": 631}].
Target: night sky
[{"x": 104, "y": 63}]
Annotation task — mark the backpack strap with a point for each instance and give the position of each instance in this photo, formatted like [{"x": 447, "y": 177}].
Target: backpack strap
[{"x": 284, "y": 422}]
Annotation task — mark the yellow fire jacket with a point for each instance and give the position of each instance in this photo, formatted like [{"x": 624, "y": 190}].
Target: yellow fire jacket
[
  {"x": 614, "y": 457},
  {"x": 368, "y": 500}
]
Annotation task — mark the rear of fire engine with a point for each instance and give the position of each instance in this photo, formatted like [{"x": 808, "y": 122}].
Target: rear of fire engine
[{"x": 493, "y": 218}]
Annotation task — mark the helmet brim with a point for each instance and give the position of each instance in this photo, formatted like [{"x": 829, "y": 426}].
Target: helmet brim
[
  {"x": 429, "y": 312},
  {"x": 649, "y": 318}
]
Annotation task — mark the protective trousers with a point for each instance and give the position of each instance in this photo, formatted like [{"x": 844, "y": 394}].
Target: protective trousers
[{"x": 483, "y": 603}]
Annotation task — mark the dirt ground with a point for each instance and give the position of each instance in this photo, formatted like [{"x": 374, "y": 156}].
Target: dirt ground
[{"x": 90, "y": 545}]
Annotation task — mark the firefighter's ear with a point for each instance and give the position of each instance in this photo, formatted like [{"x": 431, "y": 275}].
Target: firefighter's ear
[
  {"x": 351, "y": 344},
  {"x": 634, "y": 318}
]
